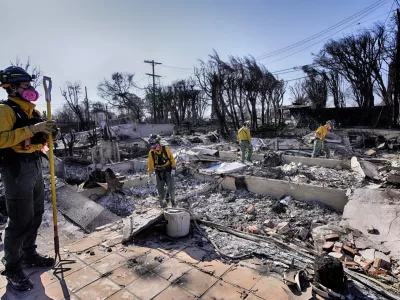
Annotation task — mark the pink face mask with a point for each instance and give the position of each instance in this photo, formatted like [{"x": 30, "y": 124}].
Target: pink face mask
[
  {"x": 156, "y": 147},
  {"x": 30, "y": 94}
]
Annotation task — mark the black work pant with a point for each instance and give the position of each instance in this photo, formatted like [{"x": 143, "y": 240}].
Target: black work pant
[{"x": 24, "y": 191}]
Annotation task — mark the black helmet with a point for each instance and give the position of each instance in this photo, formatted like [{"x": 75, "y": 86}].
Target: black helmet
[
  {"x": 154, "y": 138},
  {"x": 14, "y": 75}
]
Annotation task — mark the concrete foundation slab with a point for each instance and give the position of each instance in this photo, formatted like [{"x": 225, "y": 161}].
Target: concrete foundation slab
[
  {"x": 308, "y": 161},
  {"x": 364, "y": 168},
  {"x": 287, "y": 159},
  {"x": 81, "y": 210},
  {"x": 377, "y": 208},
  {"x": 334, "y": 198}
]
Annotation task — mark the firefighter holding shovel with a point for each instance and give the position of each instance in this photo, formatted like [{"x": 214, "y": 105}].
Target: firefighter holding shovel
[{"x": 23, "y": 134}]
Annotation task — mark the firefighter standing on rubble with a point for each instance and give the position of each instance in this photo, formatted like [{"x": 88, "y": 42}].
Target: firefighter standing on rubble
[
  {"x": 244, "y": 139},
  {"x": 22, "y": 136},
  {"x": 319, "y": 142},
  {"x": 162, "y": 165}
]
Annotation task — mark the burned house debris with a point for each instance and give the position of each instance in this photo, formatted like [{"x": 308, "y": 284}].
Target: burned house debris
[
  {"x": 303, "y": 219},
  {"x": 210, "y": 186}
]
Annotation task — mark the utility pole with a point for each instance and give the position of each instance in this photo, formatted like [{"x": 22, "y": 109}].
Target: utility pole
[
  {"x": 397, "y": 75},
  {"x": 77, "y": 105},
  {"x": 153, "y": 63},
  {"x": 87, "y": 109}
]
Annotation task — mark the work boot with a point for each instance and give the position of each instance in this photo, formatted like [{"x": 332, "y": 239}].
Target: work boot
[
  {"x": 173, "y": 203},
  {"x": 38, "y": 260},
  {"x": 18, "y": 280},
  {"x": 163, "y": 203}
]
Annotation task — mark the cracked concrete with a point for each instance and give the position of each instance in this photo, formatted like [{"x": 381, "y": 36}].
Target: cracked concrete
[{"x": 379, "y": 209}]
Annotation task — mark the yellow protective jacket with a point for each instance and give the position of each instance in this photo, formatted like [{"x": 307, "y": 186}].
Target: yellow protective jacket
[
  {"x": 244, "y": 134},
  {"x": 158, "y": 155},
  {"x": 321, "y": 132},
  {"x": 10, "y": 138}
]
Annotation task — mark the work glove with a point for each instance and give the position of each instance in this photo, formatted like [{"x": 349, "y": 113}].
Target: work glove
[
  {"x": 46, "y": 127},
  {"x": 173, "y": 171},
  {"x": 55, "y": 133}
]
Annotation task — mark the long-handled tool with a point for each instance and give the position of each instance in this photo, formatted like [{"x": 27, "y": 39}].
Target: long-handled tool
[{"x": 47, "y": 84}]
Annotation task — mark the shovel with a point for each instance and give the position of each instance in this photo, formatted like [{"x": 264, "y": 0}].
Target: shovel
[{"x": 47, "y": 84}]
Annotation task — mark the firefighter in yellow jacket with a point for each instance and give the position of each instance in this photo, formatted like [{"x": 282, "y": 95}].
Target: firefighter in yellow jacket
[
  {"x": 23, "y": 133},
  {"x": 162, "y": 165},
  {"x": 244, "y": 139},
  {"x": 319, "y": 142}
]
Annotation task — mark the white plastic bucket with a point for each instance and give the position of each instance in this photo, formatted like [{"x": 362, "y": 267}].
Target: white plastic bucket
[{"x": 178, "y": 222}]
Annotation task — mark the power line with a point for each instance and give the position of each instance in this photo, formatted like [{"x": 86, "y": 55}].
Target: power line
[
  {"x": 320, "y": 41},
  {"x": 384, "y": 14},
  {"x": 389, "y": 13},
  {"x": 181, "y": 71},
  {"x": 293, "y": 69},
  {"x": 366, "y": 11},
  {"x": 172, "y": 67},
  {"x": 295, "y": 79}
]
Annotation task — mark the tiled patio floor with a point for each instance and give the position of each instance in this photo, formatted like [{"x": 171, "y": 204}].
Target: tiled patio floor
[{"x": 136, "y": 272}]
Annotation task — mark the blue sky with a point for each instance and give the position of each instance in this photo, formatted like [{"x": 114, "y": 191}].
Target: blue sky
[{"x": 87, "y": 40}]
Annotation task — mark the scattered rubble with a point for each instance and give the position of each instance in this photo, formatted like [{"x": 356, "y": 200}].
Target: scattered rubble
[
  {"x": 292, "y": 237},
  {"x": 295, "y": 218},
  {"x": 318, "y": 176}
]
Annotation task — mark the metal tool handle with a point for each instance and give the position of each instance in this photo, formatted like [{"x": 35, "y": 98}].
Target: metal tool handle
[{"x": 47, "y": 84}]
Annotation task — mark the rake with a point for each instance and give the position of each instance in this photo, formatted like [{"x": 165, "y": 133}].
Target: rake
[{"x": 59, "y": 262}]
